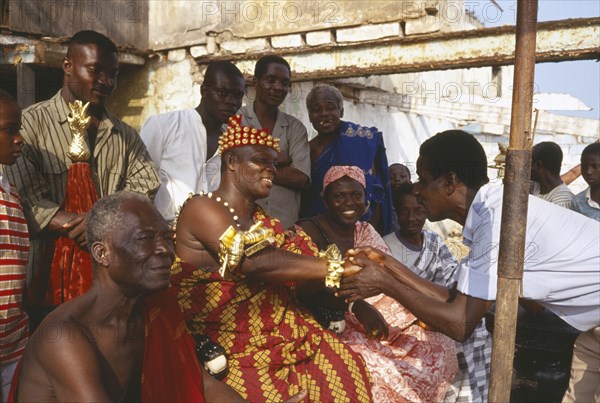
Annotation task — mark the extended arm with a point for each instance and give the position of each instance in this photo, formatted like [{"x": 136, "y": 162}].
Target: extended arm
[
  {"x": 572, "y": 174},
  {"x": 203, "y": 221},
  {"x": 456, "y": 317},
  {"x": 402, "y": 274}
]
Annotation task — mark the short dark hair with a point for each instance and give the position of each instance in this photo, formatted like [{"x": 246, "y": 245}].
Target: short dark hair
[
  {"x": 263, "y": 63},
  {"x": 223, "y": 66},
  {"x": 92, "y": 37},
  {"x": 459, "y": 152},
  {"x": 404, "y": 189},
  {"x": 549, "y": 154},
  {"x": 591, "y": 149}
]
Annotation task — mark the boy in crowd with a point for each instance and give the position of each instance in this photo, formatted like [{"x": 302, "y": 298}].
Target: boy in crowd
[
  {"x": 273, "y": 81},
  {"x": 14, "y": 247},
  {"x": 588, "y": 201},
  {"x": 425, "y": 254}
]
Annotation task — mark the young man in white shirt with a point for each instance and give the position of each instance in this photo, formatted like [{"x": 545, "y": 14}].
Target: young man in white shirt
[{"x": 183, "y": 143}]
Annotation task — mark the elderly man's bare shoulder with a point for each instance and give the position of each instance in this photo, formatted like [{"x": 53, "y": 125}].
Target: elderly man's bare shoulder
[
  {"x": 61, "y": 332},
  {"x": 61, "y": 352}
]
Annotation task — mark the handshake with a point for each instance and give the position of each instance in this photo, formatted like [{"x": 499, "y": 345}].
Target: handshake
[{"x": 365, "y": 274}]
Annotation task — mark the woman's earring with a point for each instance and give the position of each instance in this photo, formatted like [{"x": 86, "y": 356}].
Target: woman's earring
[{"x": 367, "y": 207}]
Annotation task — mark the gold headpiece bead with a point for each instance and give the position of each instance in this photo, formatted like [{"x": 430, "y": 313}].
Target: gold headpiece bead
[{"x": 238, "y": 135}]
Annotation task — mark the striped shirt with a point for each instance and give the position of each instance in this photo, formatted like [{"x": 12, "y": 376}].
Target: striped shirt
[
  {"x": 14, "y": 247},
  {"x": 433, "y": 262},
  {"x": 560, "y": 195},
  {"x": 119, "y": 161},
  {"x": 436, "y": 263}
]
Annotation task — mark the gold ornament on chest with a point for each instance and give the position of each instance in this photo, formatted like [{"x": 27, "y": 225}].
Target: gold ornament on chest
[{"x": 79, "y": 120}]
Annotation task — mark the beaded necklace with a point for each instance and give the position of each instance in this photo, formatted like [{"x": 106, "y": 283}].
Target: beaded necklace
[{"x": 226, "y": 204}]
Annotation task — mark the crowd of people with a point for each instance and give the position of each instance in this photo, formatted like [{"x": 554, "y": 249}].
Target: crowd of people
[{"x": 222, "y": 231}]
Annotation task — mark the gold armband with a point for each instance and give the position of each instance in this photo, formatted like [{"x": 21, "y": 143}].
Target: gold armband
[
  {"x": 335, "y": 266},
  {"x": 232, "y": 245}
]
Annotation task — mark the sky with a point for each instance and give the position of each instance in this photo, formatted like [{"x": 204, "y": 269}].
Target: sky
[{"x": 579, "y": 78}]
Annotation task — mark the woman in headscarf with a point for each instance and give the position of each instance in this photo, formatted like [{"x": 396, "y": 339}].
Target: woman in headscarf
[{"x": 406, "y": 362}]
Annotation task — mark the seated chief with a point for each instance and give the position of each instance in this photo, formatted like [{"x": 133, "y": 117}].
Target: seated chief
[{"x": 234, "y": 275}]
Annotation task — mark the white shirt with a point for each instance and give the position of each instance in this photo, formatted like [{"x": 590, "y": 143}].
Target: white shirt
[
  {"x": 562, "y": 257},
  {"x": 176, "y": 142}
]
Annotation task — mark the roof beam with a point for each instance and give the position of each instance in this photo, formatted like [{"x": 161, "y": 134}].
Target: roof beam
[
  {"x": 50, "y": 52},
  {"x": 573, "y": 39}
]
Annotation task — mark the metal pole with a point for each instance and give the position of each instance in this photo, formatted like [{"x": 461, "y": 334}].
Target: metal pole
[{"x": 514, "y": 206}]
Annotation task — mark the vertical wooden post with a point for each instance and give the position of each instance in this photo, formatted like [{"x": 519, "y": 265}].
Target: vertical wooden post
[
  {"x": 514, "y": 206},
  {"x": 25, "y": 85}
]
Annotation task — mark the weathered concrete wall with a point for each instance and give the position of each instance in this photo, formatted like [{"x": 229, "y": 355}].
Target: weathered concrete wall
[
  {"x": 488, "y": 82},
  {"x": 168, "y": 82},
  {"x": 172, "y": 80},
  {"x": 177, "y": 23},
  {"x": 404, "y": 132}
]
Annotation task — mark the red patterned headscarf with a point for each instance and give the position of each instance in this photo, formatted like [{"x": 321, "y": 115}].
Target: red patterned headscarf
[{"x": 337, "y": 171}]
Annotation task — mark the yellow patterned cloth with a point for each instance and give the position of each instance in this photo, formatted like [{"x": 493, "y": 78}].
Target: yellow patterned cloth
[{"x": 275, "y": 349}]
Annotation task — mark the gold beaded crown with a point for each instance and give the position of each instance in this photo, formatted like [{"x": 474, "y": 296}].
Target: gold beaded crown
[{"x": 238, "y": 136}]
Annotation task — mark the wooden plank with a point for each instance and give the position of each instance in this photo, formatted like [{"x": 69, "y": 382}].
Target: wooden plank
[
  {"x": 574, "y": 39},
  {"x": 123, "y": 21},
  {"x": 511, "y": 255},
  {"x": 25, "y": 85}
]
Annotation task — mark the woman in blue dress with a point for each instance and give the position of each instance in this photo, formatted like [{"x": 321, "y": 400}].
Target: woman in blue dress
[{"x": 346, "y": 143}]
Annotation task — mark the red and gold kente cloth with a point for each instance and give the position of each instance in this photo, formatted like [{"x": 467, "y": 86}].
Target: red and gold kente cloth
[
  {"x": 170, "y": 371},
  {"x": 274, "y": 348}
]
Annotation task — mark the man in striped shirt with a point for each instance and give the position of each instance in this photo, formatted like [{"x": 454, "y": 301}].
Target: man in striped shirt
[
  {"x": 546, "y": 160},
  {"x": 14, "y": 247},
  {"x": 119, "y": 160}
]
